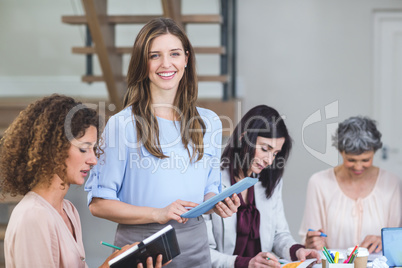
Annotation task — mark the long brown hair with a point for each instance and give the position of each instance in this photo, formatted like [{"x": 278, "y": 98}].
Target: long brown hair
[{"x": 138, "y": 95}]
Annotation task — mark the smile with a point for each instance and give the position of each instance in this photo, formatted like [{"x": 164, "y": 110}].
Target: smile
[{"x": 167, "y": 74}]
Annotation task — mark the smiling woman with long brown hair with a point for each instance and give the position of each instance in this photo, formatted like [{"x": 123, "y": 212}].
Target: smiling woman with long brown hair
[{"x": 161, "y": 151}]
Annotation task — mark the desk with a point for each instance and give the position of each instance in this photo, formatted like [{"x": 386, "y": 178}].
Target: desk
[{"x": 371, "y": 257}]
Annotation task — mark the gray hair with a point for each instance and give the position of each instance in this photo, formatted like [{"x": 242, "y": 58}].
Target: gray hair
[{"x": 357, "y": 135}]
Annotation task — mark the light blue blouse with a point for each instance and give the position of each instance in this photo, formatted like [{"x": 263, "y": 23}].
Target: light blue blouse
[{"x": 129, "y": 173}]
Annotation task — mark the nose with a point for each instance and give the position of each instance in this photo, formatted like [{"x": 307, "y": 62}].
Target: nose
[
  {"x": 166, "y": 61},
  {"x": 358, "y": 165},
  {"x": 92, "y": 160},
  {"x": 268, "y": 159}
]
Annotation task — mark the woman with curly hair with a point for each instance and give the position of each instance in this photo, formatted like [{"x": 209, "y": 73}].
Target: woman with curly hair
[{"x": 49, "y": 146}]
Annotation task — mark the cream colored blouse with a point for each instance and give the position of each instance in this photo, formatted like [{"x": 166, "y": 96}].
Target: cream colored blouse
[
  {"x": 346, "y": 221},
  {"x": 37, "y": 236}
]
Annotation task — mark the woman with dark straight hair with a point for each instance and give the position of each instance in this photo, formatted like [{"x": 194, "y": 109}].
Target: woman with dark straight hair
[
  {"x": 160, "y": 149},
  {"x": 259, "y": 147}
]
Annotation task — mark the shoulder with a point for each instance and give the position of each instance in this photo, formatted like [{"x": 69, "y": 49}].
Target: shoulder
[
  {"x": 207, "y": 113},
  {"x": 388, "y": 179},
  {"x": 125, "y": 113},
  {"x": 31, "y": 212},
  {"x": 209, "y": 117},
  {"x": 322, "y": 176}
]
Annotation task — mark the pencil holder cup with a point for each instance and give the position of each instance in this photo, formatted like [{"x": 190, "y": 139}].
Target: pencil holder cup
[
  {"x": 361, "y": 257},
  {"x": 342, "y": 257},
  {"x": 338, "y": 265}
]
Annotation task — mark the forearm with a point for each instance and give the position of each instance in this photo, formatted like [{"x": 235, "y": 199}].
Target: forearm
[{"x": 121, "y": 212}]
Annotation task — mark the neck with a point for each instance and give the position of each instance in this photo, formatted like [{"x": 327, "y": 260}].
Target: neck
[
  {"x": 343, "y": 173},
  {"x": 53, "y": 193},
  {"x": 162, "y": 105}
]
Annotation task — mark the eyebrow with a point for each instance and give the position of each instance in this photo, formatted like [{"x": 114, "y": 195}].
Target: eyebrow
[
  {"x": 175, "y": 49},
  {"x": 87, "y": 143}
]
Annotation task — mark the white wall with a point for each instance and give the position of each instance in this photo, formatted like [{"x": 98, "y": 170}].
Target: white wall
[{"x": 297, "y": 56}]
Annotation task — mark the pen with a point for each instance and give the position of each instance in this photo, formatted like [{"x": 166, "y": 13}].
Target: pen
[
  {"x": 109, "y": 245},
  {"x": 322, "y": 234},
  {"x": 348, "y": 259},
  {"x": 281, "y": 262},
  {"x": 329, "y": 255},
  {"x": 336, "y": 257}
]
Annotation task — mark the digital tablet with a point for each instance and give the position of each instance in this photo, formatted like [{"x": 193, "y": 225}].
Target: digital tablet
[
  {"x": 392, "y": 245},
  {"x": 210, "y": 203}
]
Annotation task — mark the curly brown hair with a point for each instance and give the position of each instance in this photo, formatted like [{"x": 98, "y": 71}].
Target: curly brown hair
[{"x": 35, "y": 146}]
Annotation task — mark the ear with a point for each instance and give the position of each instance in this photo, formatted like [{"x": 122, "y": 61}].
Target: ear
[
  {"x": 242, "y": 135},
  {"x": 187, "y": 54}
]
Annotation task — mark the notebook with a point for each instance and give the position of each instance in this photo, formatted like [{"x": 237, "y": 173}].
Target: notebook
[
  {"x": 210, "y": 203},
  {"x": 162, "y": 242},
  {"x": 392, "y": 245}
]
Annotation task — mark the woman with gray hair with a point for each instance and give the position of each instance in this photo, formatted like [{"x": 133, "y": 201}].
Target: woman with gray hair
[{"x": 349, "y": 204}]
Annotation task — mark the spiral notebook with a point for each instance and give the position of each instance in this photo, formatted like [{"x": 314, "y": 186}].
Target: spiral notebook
[{"x": 162, "y": 242}]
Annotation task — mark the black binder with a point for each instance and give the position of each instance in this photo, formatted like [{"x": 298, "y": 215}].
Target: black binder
[{"x": 163, "y": 242}]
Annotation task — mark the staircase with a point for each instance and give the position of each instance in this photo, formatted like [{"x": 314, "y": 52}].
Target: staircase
[{"x": 101, "y": 41}]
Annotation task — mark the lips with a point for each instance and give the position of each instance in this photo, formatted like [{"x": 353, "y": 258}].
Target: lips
[
  {"x": 260, "y": 166},
  {"x": 166, "y": 75},
  {"x": 84, "y": 172},
  {"x": 358, "y": 172}
]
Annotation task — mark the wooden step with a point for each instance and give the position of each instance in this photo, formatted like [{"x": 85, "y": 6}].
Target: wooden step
[
  {"x": 201, "y": 78},
  {"x": 2, "y": 231},
  {"x": 11, "y": 200},
  {"x": 127, "y": 50},
  {"x": 228, "y": 111},
  {"x": 139, "y": 19}
]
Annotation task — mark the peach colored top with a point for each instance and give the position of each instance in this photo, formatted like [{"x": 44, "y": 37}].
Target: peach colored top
[
  {"x": 37, "y": 236},
  {"x": 346, "y": 221}
]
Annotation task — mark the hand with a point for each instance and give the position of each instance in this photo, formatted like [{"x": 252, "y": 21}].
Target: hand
[
  {"x": 303, "y": 253},
  {"x": 173, "y": 212},
  {"x": 372, "y": 243},
  {"x": 260, "y": 260},
  {"x": 314, "y": 239},
  {"x": 115, "y": 254},
  {"x": 150, "y": 263},
  {"x": 228, "y": 207}
]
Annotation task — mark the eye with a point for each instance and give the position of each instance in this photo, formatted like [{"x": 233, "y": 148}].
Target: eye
[
  {"x": 264, "y": 149},
  {"x": 175, "y": 54},
  {"x": 153, "y": 56},
  {"x": 83, "y": 150}
]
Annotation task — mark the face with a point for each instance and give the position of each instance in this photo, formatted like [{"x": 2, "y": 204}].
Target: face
[
  {"x": 356, "y": 165},
  {"x": 265, "y": 153},
  {"x": 81, "y": 157},
  {"x": 166, "y": 63}
]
